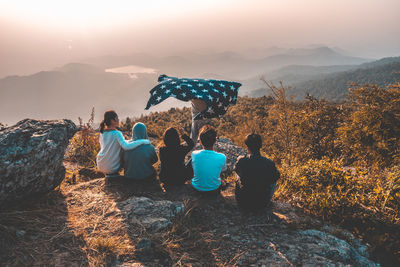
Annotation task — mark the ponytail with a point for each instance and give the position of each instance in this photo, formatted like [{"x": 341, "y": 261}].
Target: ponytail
[
  {"x": 108, "y": 116},
  {"x": 102, "y": 125}
]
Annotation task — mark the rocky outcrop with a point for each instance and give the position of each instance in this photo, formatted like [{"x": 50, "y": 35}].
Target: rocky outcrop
[
  {"x": 153, "y": 215},
  {"x": 231, "y": 151},
  {"x": 31, "y": 155},
  {"x": 308, "y": 248}
]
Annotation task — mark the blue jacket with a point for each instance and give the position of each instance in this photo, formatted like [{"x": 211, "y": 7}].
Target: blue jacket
[{"x": 138, "y": 162}]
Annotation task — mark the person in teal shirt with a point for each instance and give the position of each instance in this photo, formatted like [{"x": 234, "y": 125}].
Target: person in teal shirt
[{"x": 207, "y": 164}]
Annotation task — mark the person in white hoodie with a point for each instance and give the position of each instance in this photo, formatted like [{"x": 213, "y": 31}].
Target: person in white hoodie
[{"x": 111, "y": 142}]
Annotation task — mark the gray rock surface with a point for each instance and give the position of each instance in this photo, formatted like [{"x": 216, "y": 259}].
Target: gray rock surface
[
  {"x": 153, "y": 215},
  {"x": 31, "y": 155},
  {"x": 283, "y": 238},
  {"x": 308, "y": 248},
  {"x": 228, "y": 148},
  {"x": 231, "y": 151}
]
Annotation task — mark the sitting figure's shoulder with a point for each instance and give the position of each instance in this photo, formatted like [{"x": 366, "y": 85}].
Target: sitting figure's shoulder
[
  {"x": 268, "y": 161},
  {"x": 223, "y": 156},
  {"x": 219, "y": 154},
  {"x": 195, "y": 152}
]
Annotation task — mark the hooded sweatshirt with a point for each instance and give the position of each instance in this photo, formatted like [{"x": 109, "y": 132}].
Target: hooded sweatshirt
[{"x": 138, "y": 163}]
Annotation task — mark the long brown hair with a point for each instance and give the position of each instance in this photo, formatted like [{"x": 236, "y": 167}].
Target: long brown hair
[
  {"x": 108, "y": 116},
  {"x": 171, "y": 138}
]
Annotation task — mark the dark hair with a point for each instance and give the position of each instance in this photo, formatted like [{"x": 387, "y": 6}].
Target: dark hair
[
  {"x": 171, "y": 137},
  {"x": 108, "y": 116},
  {"x": 208, "y": 136},
  {"x": 253, "y": 142}
]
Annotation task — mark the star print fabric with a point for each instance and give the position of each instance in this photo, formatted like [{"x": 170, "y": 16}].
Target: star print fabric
[{"x": 217, "y": 94}]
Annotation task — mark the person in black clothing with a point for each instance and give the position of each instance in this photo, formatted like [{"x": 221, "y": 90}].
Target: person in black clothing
[
  {"x": 257, "y": 176},
  {"x": 174, "y": 171}
]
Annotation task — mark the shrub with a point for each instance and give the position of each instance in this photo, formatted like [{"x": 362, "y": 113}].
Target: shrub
[
  {"x": 328, "y": 189},
  {"x": 84, "y": 146},
  {"x": 370, "y": 135}
]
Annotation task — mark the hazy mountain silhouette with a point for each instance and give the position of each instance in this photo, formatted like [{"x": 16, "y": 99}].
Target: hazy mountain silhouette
[
  {"x": 71, "y": 90},
  {"x": 290, "y": 75},
  {"x": 229, "y": 64},
  {"x": 335, "y": 86},
  {"x": 329, "y": 84}
]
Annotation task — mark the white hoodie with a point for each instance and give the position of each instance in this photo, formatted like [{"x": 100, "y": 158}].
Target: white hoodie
[{"x": 109, "y": 157}]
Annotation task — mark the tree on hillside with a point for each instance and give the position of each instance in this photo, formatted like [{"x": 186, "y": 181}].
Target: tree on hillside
[
  {"x": 317, "y": 128},
  {"x": 372, "y": 133},
  {"x": 282, "y": 122},
  {"x": 247, "y": 116},
  {"x": 126, "y": 126}
]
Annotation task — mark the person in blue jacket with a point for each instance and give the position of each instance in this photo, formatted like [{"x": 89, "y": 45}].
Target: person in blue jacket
[{"x": 138, "y": 163}]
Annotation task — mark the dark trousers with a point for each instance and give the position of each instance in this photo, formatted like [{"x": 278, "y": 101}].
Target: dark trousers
[
  {"x": 253, "y": 199},
  {"x": 179, "y": 177}
]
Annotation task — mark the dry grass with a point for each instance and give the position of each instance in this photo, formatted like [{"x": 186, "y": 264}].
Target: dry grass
[
  {"x": 81, "y": 225},
  {"x": 39, "y": 233}
]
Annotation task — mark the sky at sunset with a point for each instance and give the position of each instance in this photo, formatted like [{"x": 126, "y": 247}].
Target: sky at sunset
[{"x": 37, "y": 35}]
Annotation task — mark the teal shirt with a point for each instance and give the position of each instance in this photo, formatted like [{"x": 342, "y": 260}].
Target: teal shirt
[{"x": 207, "y": 167}]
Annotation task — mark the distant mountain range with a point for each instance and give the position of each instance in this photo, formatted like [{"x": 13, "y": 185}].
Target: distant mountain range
[
  {"x": 229, "y": 64},
  {"x": 335, "y": 86},
  {"x": 72, "y": 90},
  {"x": 331, "y": 82}
]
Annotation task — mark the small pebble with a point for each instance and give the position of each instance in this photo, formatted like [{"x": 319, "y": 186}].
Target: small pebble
[
  {"x": 144, "y": 243},
  {"x": 226, "y": 236},
  {"x": 20, "y": 233}
]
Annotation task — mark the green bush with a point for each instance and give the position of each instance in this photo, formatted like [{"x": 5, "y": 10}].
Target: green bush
[{"x": 85, "y": 145}]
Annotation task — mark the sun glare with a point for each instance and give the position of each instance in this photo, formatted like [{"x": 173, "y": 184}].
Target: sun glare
[{"x": 77, "y": 13}]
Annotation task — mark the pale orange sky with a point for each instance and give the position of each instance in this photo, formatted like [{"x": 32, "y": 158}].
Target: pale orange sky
[{"x": 38, "y": 34}]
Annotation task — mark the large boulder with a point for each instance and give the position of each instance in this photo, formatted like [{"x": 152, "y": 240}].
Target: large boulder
[{"x": 31, "y": 157}]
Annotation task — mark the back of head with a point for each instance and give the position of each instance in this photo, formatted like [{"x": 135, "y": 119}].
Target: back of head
[
  {"x": 108, "y": 117},
  {"x": 208, "y": 136},
  {"x": 171, "y": 138},
  {"x": 139, "y": 131},
  {"x": 253, "y": 142}
]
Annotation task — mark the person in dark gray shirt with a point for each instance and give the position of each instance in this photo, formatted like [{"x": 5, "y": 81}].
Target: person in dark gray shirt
[
  {"x": 138, "y": 163},
  {"x": 257, "y": 176},
  {"x": 174, "y": 170}
]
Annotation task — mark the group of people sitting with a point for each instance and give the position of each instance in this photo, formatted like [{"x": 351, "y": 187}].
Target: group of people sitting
[{"x": 256, "y": 175}]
